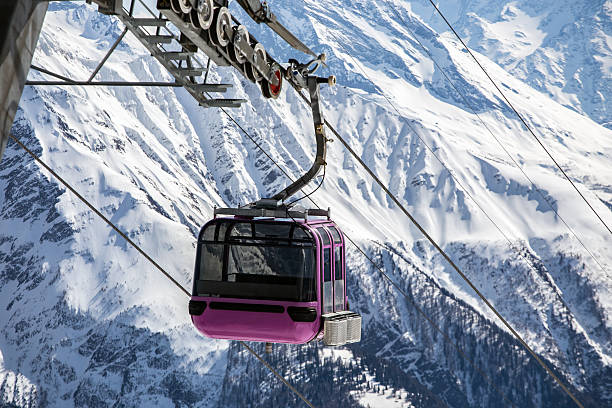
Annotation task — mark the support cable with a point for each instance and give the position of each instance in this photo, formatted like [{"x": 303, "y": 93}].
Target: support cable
[
  {"x": 471, "y": 107},
  {"x": 512, "y": 246},
  {"x": 385, "y": 275},
  {"x": 99, "y": 214},
  {"x": 452, "y": 264},
  {"x": 133, "y": 244},
  {"x": 433, "y": 324},
  {"x": 107, "y": 83},
  {"x": 53, "y": 74},
  {"x": 148, "y": 258},
  {"x": 254, "y": 141},
  {"x": 439, "y": 249},
  {"x": 312, "y": 192},
  {"x": 456, "y": 179},
  {"x": 363, "y": 165},
  {"x": 519, "y": 116}
]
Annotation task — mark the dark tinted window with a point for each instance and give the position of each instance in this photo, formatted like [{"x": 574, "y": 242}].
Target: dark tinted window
[
  {"x": 211, "y": 261},
  {"x": 300, "y": 233},
  {"x": 221, "y": 231},
  {"x": 269, "y": 261},
  {"x": 338, "y": 262},
  {"x": 242, "y": 229},
  {"x": 324, "y": 236},
  {"x": 327, "y": 265},
  {"x": 283, "y": 273},
  {"x": 266, "y": 266},
  {"x": 272, "y": 230},
  {"x": 335, "y": 235},
  {"x": 209, "y": 233}
]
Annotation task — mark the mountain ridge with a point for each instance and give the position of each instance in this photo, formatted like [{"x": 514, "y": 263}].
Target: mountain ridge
[{"x": 156, "y": 164}]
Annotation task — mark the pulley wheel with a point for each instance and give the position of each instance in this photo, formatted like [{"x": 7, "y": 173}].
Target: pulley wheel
[
  {"x": 176, "y": 6},
  {"x": 205, "y": 12},
  {"x": 193, "y": 19},
  {"x": 240, "y": 34},
  {"x": 221, "y": 19},
  {"x": 269, "y": 90},
  {"x": 185, "y": 6},
  {"x": 259, "y": 55}
]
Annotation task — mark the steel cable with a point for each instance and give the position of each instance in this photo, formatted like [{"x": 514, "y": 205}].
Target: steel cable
[
  {"x": 371, "y": 174},
  {"x": 444, "y": 254},
  {"x": 546, "y": 368},
  {"x": 520, "y": 118},
  {"x": 441, "y": 251},
  {"x": 385, "y": 275},
  {"x": 133, "y": 244},
  {"x": 470, "y": 106},
  {"x": 452, "y": 264},
  {"x": 148, "y": 258}
]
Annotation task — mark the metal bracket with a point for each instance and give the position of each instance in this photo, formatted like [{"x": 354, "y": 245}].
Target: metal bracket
[
  {"x": 252, "y": 211},
  {"x": 313, "y": 83},
  {"x": 261, "y": 13},
  {"x": 299, "y": 73}
]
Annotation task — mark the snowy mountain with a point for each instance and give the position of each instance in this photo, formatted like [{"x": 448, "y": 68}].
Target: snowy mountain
[
  {"x": 561, "y": 48},
  {"x": 87, "y": 321}
]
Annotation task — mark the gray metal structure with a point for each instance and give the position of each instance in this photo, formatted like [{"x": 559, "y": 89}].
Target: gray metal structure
[
  {"x": 266, "y": 210},
  {"x": 202, "y": 25},
  {"x": 20, "y": 24},
  {"x": 319, "y": 128},
  {"x": 233, "y": 45}
]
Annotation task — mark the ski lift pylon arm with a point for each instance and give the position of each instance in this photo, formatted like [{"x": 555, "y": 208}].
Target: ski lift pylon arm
[{"x": 313, "y": 83}]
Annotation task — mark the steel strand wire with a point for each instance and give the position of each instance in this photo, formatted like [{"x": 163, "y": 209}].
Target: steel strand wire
[
  {"x": 453, "y": 265},
  {"x": 451, "y": 173},
  {"x": 512, "y": 246},
  {"x": 502, "y": 146},
  {"x": 269, "y": 157},
  {"x": 523, "y": 121},
  {"x": 148, "y": 258},
  {"x": 447, "y": 338},
  {"x": 277, "y": 374},
  {"x": 141, "y": 250},
  {"x": 98, "y": 213},
  {"x": 385, "y": 275},
  {"x": 437, "y": 247}
]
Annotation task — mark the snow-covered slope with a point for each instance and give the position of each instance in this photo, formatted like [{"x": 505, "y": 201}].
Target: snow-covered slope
[
  {"x": 86, "y": 321},
  {"x": 562, "y": 48}
]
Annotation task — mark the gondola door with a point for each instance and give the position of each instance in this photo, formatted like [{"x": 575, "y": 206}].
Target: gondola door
[
  {"x": 338, "y": 262},
  {"x": 327, "y": 284}
]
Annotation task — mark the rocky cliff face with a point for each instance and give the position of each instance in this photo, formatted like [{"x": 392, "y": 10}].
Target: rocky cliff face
[{"x": 86, "y": 321}]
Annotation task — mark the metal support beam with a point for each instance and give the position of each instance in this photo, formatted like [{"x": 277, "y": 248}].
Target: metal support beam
[
  {"x": 319, "y": 128},
  {"x": 20, "y": 24},
  {"x": 278, "y": 212},
  {"x": 108, "y": 54},
  {"x": 102, "y": 83},
  {"x": 195, "y": 87}
]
